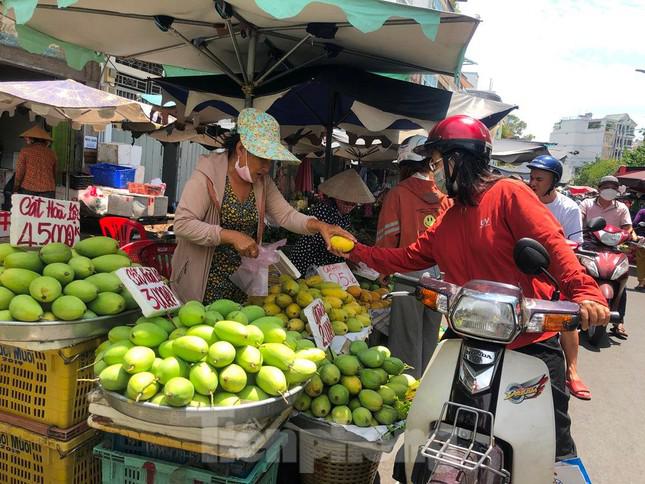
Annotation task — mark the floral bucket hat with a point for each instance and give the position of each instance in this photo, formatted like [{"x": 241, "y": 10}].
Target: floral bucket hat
[{"x": 260, "y": 135}]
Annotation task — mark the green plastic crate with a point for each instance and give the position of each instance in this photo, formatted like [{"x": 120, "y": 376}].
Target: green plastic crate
[{"x": 128, "y": 468}]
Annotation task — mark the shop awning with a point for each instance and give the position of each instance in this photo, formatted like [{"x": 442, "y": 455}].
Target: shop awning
[
  {"x": 71, "y": 101},
  {"x": 634, "y": 180},
  {"x": 238, "y": 37},
  {"x": 517, "y": 151}
]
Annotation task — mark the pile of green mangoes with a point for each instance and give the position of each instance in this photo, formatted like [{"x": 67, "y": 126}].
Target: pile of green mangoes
[
  {"x": 219, "y": 355},
  {"x": 60, "y": 283},
  {"x": 365, "y": 388}
]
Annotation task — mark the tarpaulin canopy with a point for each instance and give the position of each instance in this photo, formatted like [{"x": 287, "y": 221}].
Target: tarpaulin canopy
[
  {"x": 242, "y": 37},
  {"x": 517, "y": 151},
  {"x": 332, "y": 96},
  {"x": 71, "y": 101},
  {"x": 634, "y": 180}
]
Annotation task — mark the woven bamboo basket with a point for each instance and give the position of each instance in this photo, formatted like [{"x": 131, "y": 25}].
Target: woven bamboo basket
[{"x": 334, "y": 462}]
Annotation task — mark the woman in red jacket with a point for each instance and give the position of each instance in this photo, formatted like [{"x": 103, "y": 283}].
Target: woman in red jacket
[{"x": 474, "y": 239}]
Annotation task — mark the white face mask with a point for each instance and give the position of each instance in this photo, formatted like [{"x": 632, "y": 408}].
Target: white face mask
[
  {"x": 609, "y": 194},
  {"x": 243, "y": 171}
]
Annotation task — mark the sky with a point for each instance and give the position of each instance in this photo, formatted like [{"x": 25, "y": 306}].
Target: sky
[{"x": 563, "y": 58}]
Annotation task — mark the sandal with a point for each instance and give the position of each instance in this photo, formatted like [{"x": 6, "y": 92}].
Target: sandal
[
  {"x": 578, "y": 389},
  {"x": 619, "y": 332}
]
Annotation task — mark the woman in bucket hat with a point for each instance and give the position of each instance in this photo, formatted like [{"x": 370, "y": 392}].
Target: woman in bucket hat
[
  {"x": 222, "y": 210},
  {"x": 36, "y": 165},
  {"x": 342, "y": 193}
]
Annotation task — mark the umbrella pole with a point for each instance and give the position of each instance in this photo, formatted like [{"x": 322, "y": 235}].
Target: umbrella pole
[
  {"x": 250, "y": 69},
  {"x": 330, "y": 134}
]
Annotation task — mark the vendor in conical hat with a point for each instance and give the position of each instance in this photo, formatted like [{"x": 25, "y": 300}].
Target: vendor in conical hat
[
  {"x": 343, "y": 192},
  {"x": 36, "y": 165}
]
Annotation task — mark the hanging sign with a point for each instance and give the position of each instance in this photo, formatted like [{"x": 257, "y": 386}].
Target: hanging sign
[
  {"x": 320, "y": 324},
  {"x": 149, "y": 290},
  {"x": 338, "y": 273},
  {"x": 38, "y": 221}
]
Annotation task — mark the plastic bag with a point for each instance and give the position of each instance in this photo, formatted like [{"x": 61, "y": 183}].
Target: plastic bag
[
  {"x": 252, "y": 276},
  {"x": 94, "y": 198}
]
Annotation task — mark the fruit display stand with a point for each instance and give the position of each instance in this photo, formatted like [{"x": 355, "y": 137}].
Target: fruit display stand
[{"x": 234, "y": 441}]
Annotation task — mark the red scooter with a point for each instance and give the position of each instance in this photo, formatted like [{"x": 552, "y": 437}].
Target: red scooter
[{"x": 602, "y": 259}]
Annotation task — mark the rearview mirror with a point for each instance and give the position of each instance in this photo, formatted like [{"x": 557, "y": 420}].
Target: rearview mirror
[
  {"x": 531, "y": 257},
  {"x": 595, "y": 224},
  {"x": 641, "y": 224}
]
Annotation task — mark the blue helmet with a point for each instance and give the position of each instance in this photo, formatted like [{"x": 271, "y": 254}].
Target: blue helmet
[{"x": 548, "y": 163}]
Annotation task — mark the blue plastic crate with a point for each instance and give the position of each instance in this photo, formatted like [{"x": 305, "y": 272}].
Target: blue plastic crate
[
  {"x": 125, "y": 467},
  {"x": 222, "y": 466},
  {"x": 110, "y": 175}
]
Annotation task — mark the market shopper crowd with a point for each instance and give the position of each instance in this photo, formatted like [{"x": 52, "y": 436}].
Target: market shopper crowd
[{"x": 449, "y": 211}]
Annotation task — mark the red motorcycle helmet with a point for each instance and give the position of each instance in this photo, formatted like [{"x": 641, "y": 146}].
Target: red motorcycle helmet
[{"x": 459, "y": 132}]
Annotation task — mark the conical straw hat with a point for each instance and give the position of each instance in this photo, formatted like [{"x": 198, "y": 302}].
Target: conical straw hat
[
  {"x": 36, "y": 132},
  {"x": 348, "y": 187}
]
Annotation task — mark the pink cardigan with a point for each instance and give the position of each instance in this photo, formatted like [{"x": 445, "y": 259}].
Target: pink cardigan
[{"x": 197, "y": 222}]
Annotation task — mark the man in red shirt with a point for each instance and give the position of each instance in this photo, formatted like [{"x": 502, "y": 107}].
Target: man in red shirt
[
  {"x": 408, "y": 210},
  {"x": 474, "y": 239}
]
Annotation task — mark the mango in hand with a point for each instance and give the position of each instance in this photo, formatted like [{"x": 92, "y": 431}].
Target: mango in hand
[{"x": 341, "y": 244}]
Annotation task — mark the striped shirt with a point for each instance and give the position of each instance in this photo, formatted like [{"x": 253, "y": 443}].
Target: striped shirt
[{"x": 36, "y": 169}]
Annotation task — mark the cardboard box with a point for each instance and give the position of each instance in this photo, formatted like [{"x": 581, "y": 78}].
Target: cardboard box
[
  {"x": 135, "y": 206},
  {"x": 120, "y": 154}
]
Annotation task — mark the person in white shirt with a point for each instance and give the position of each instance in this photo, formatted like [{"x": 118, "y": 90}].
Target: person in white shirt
[{"x": 546, "y": 172}]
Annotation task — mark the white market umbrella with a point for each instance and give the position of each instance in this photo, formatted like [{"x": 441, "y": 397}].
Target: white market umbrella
[
  {"x": 253, "y": 41},
  {"x": 71, "y": 101}
]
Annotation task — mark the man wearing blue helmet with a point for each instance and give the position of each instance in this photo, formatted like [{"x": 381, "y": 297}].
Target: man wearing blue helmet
[{"x": 546, "y": 172}]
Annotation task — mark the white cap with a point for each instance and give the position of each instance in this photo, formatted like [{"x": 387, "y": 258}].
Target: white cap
[{"x": 406, "y": 149}]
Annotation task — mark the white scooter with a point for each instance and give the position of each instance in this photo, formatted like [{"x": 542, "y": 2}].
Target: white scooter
[{"x": 483, "y": 413}]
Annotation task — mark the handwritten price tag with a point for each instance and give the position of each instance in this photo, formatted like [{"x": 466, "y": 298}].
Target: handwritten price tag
[
  {"x": 37, "y": 221},
  {"x": 338, "y": 273},
  {"x": 320, "y": 324},
  {"x": 149, "y": 290}
]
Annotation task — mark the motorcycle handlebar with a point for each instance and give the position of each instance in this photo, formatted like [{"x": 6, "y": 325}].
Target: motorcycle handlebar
[
  {"x": 614, "y": 317},
  {"x": 412, "y": 281},
  {"x": 589, "y": 253}
]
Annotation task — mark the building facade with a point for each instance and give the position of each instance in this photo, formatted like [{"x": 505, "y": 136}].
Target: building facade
[{"x": 587, "y": 139}]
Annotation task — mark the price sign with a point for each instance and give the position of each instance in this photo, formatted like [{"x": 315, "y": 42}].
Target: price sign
[
  {"x": 338, "y": 273},
  {"x": 5, "y": 219},
  {"x": 149, "y": 290},
  {"x": 319, "y": 323},
  {"x": 37, "y": 221}
]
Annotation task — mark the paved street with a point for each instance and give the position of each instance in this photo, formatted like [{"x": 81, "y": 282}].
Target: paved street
[{"x": 609, "y": 430}]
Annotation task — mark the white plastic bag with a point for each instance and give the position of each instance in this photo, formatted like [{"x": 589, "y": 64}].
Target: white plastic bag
[{"x": 253, "y": 274}]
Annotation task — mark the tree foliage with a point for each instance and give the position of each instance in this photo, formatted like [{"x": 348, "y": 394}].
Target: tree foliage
[
  {"x": 591, "y": 173},
  {"x": 513, "y": 128},
  {"x": 634, "y": 157}
]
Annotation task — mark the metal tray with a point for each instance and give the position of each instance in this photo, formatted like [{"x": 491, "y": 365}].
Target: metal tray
[
  {"x": 49, "y": 331},
  {"x": 202, "y": 417}
]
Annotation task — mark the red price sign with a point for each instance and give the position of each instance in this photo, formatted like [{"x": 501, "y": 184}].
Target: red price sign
[
  {"x": 319, "y": 323},
  {"x": 149, "y": 290},
  {"x": 338, "y": 273},
  {"x": 37, "y": 221}
]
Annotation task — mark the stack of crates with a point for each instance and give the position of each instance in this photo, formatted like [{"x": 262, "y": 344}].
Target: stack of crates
[
  {"x": 137, "y": 462},
  {"x": 44, "y": 437}
]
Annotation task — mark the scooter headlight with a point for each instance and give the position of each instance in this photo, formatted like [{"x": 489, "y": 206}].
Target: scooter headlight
[
  {"x": 589, "y": 263},
  {"x": 481, "y": 312},
  {"x": 611, "y": 239},
  {"x": 620, "y": 269}
]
